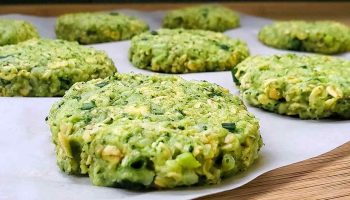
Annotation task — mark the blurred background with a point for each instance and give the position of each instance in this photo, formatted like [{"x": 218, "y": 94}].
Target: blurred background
[
  {"x": 144, "y": 1},
  {"x": 147, "y": 1},
  {"x": 282, "y": 9}
]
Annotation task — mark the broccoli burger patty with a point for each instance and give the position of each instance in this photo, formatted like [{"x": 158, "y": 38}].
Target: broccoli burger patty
[
  {"x": 42, "y": 67},
  {"x": 155, "y": 131},
  {"x": 310, "y": 87}
]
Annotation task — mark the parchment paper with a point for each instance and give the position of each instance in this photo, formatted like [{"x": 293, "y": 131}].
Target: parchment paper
[{"x": 28, "y": 164}]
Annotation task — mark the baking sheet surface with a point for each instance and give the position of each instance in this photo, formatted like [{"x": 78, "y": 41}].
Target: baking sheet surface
[{"x": 28, "y": 165}]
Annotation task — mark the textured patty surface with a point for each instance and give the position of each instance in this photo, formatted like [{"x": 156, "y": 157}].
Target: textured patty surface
[
  {"x": 206, "y": 17},
  {"x": 15, "y": 31},
  {"x": 88, "y": 28},
  {"x": 310, "y": 87},
  {"x": 321, "y": 36},
  {"x": 152, "y": 131},
  {"x": 185, "y": 51},
  {"x": 42, "y": 67}
]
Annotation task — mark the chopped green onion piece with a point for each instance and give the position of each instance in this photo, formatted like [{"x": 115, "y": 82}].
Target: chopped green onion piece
[
  {"x": 229, "y": 126},
  {"x": 88, "y": 106},
  {"x": 101, "y": 84}
]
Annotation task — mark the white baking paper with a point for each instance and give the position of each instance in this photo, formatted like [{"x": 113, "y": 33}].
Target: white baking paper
[{"x": 28, "y": 165}]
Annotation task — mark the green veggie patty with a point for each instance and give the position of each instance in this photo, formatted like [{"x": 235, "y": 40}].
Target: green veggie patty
[
  {"x": 42, "y": 67},
  {"x": 15, "y": 31},
  {"x": 310, "y": 87},
  {"x": 185, "y": 51},
  {"x": 206, "y": 17},
  {"x": 325, "y": 37},
  {"x": 88, "y": 28},
  {"x": 155, "y": 131}
]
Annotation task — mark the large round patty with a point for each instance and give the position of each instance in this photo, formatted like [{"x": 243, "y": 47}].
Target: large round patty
[
  {"x": 206, "y": 17},
  {"x": 185, "y": 51},
  {"x": 152, "y": 131},
  {"x": 15, "y": 31},
  {"x": 49, "y": 67},
  {"x": 310, "y": 87},
  {"x": 87, "y": 28},
  {"x": 321, "y": 36}
]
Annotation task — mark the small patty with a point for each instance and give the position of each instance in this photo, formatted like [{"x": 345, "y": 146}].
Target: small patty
[
  {"x": 185, "y": 51},
  {"x": 157, "y": 131},
  {"x": 42, "y": 67},
  {"x": 310, "y": 87},
  {"x": 324, "y": 37},
  {"x": 88, "y": 28},
  {"x": 15, "y": 31},
  {"x": 206, "y": 17}
]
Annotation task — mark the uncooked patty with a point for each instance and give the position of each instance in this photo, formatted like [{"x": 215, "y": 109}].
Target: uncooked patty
[
  {"x": 324, "y": 37},
  {"x": 186, "y": 51},
  {"x": 88, "y": 28},
  {"x": 15, "y": 31},
  {"x": 42, "y": 67},
  {"x": 155, "y": 131},
  {"x": 310, "y": 87},
  {"x": 205, "y": 17}
]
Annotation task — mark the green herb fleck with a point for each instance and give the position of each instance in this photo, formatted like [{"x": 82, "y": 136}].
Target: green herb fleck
[
  {"x": 214, "y": 93},
  {"x": 235, "y": 80},
  {"x": 229, "y": 126},
  {"x": 101, "y": 84},
  {"x": 6, "y": 56},
  {"x": 66, "y": 82},
  {"x": 87, "y": 119},
  {"x": 78, "y": 98},
  {"x": 205, "y": 12},
  {"x": 157, "y": 112},
  {"x": 190, "y": 148},
  {"x": 181, "y": 112},
  {"x": 295, "y": 44},
  {"x": 88, "y": 106},
  {"x": 154, "y": 33},
  {"x": 224, "y": 47},
  {"x": 91, "y": 32},
  {"x": 114, "y": 13}
]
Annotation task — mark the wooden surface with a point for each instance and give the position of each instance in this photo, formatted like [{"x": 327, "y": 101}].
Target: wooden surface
[
  {"x": 323, "y": 177},
  {"x": 288, "y": 10}
]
